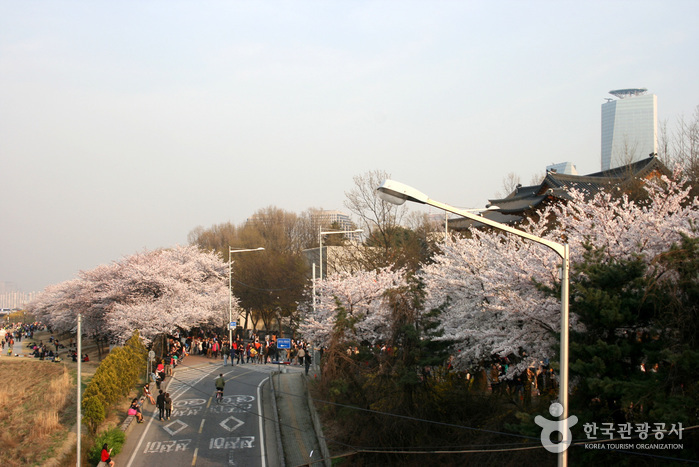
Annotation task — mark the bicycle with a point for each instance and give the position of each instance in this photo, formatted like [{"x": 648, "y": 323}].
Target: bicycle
[{"x": 219, "y": 396}]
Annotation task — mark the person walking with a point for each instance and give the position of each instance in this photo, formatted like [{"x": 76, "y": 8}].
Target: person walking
[
  {"x": 226, "y": 351},
  {"x": 168, "y": 405},
  {"x": 301, "y": 354},
  {"x": 160, "y": 403},
  {"x": 239, "y": 351},
  {"x": 307, "y": 359},
  {"x": 168, "y": 365}
]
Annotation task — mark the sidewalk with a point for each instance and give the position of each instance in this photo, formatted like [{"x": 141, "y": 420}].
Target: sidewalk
[{"x": 299, "y": 425}]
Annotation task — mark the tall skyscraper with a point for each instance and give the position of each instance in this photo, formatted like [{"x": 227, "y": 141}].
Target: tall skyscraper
[{"x": 629, "y": 127}]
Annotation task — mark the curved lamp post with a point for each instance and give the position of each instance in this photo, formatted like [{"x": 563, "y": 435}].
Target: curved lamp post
[
  {"x": 398, "y": 193},
  {"x": 230, "y": 286}
]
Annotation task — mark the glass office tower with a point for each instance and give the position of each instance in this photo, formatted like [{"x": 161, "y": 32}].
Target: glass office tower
[{"x": 629, "y": 127}]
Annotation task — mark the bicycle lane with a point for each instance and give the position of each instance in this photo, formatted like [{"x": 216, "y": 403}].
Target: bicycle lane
[
  {"x": 202, "y": 432},
  {"x": 142, "y": 438}
]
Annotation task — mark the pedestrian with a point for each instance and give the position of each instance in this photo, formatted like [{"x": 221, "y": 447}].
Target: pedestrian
[
  {"x": 307, "y": 360},
  {"x": 160, "y": 403},
  {"x": 168, "y": 405},
  {"x": 106, "y": 455},
  {"x": 301, "y": 354},
  {"x": 226, "y": 352},
  {"x": 147, "y": 393},
  {"x": 156, "y": 379},
  {"x": 239, "y": 352},
  {"x": 168, "y": 365}
]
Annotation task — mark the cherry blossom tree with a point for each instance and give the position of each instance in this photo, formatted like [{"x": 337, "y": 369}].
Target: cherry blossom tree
[
  {"x": 486, "y": 288},
  {"x": 153, "y": 292},
  {"x": 361, "y": 298},
  {"x": 492, "y": 287},
  {"x": 625, "y": 228}
]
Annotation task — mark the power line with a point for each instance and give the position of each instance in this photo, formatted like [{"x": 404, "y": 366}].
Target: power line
[
  {"x": 262, "y": 290},
  {"x": 474, "y": 449}
]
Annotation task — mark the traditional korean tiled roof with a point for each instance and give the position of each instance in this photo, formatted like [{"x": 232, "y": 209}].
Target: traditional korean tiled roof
[{"x": 556, "y": 186}]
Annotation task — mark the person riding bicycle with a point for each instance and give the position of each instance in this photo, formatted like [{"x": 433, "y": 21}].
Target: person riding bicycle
[{"x": 220, "y": 384}]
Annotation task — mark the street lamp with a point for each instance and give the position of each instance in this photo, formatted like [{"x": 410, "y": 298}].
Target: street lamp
[
  {"x": 446, "y": 216},
  {"x": 230, "y": 286},
  {"x": 320, "y": 253},
  {"x": 398, "y": 193},
  {"x": 330, "y": 232},
  {"x": 79, "y": 350}
]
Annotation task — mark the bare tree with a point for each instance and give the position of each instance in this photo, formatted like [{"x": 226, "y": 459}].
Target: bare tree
[
  {"x": 627, "y": 154},
  {"x": 375, "y": 215},
  {"x": 379, "y": 220},
  {"x": 388, "y": 239},
  {"x": 216, "y": 238},
  {"x": 509, "y": 184},
  {"x": 537, "y": 178},
  {"x": 681, "y": 146}
]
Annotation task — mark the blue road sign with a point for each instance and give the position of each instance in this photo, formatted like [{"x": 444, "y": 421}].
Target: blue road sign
[
  {"x": 283, "y": 343},
  {"x": 232, "y": 324}
]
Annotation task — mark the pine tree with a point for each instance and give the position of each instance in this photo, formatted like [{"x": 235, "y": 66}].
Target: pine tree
[
  {"x": 635, "y": 358},
  {"x": 609, "y": 356}
]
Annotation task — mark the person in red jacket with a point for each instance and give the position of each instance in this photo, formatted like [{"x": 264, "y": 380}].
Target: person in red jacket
[{"x": 106, "y": 455}]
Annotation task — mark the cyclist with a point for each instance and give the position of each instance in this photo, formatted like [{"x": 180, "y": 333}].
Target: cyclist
[{"x": 220, "y": 384}]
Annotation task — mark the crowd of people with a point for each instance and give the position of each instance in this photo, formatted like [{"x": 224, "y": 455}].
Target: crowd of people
[
  {"x": 12, "y": 333},
  {"x": 256, "y": 348},
  {"x": 51, "y": 350}
]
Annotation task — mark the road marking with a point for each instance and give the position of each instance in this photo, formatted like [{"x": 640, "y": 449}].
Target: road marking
[
  {"x": 154, "y": 447},
  {"x": 175, "y": 427},
  {"x": 234, "y": 426},
  {"x": 260, "y": 423},
  {"x": 150, "y": 422},
  {"x": 242, "y": 442},
  {"x": 194, "y": 459},
  {"x": 185, "y": 402},
  {"x": 201, "y": 427}
]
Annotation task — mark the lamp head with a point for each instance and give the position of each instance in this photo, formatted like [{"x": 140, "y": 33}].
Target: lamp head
[{"x": 398, "y": 193}]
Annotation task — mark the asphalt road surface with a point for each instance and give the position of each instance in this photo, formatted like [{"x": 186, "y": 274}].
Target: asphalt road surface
[{"x": 202, "y": 432}]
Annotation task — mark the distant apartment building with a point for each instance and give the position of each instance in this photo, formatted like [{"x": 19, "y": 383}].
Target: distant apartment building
[
  {"x": 629, "y": 127},
  {"x": 326, "y": 219},
  {"x": 11, "y": 298}
]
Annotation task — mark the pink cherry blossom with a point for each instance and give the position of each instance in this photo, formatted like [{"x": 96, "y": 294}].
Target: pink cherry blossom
[{"x": 153, "y": 292}]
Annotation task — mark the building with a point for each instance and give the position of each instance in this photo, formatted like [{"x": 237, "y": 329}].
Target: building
[
  {"x": 326, "y": 219},
  {"x": 526, "y": 201},
  {"x": 11, "y": 298},
  {"x": 629, "y": 127},
  {"x": 562, "y": 168}
]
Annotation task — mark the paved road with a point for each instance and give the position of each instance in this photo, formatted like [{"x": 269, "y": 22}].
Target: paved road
[{"x": 202, "y": 432}]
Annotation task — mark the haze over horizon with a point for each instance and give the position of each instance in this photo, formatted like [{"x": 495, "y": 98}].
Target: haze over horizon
[{"x": 125, "y": 125}]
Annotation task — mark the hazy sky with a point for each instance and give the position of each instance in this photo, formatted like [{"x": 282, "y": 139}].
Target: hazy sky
[{"x": 126, "y": 124}]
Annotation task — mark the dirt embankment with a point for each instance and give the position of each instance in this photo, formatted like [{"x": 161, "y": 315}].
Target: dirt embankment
[{"x": 38, "y": 407}]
